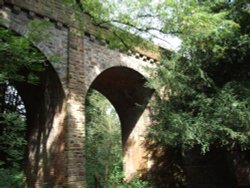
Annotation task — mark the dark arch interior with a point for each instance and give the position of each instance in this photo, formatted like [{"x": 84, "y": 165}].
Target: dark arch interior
[
  {"x": 44, "y": 158},
  {"x": 125, "y": 89},
  {"x": 43, "y": 101}
]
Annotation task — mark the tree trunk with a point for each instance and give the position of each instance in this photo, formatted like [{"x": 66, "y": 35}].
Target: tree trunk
[{"x": 97, "y": 181}]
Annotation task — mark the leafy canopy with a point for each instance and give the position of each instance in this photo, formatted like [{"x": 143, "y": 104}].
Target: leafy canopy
[
  {"x": 20, "y": 61},
  {"x": 203, "y": 87}
]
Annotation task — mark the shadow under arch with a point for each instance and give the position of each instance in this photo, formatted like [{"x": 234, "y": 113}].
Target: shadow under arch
[
  {"x": 125, "y": 89},
  {"x": 44, "y": 104},
  {"x": 44, "y": 157}
]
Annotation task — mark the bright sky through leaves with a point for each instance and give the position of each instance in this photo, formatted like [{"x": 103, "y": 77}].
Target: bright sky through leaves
[{"x": 132, "y": 8}]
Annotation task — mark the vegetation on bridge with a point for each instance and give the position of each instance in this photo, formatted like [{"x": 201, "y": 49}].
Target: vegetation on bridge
[{"x": 202, "y": 89}]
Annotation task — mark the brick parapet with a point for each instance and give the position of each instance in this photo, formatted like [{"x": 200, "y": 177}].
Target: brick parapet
[
  {"x": 63, "y": 15},
  {"x": 54, "y": 10}
]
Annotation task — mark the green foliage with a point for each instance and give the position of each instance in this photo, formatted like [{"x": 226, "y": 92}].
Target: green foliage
[
  {"x": 38, "y": 31},
  {"x": 204, "y": 88},
  {"x": 110, "y": 25},
  {"x": 116, "y": 179},
  {"x": 12, "y": 138},
  {"x": 11, "y": 178},
  {"x": 136, "y": 184},
  {"x": 20, "y": 61},
  {"x": 103, "y": 139}
]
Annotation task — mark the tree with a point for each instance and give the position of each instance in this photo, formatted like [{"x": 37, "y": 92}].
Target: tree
[
  {"x": 20, "y": 61},
  {"x": 202, "y": 89},
  {"x": 103, "y": 140},
  {"x": 203, "y": 86}
]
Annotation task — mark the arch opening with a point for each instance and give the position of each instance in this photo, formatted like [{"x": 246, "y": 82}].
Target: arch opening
[
  {"x": 40, "y": 88},
  {"x": 125, "y": 89},
  {"x": 44, "y": 155},
  {"x": 12, "y": 135},
  {"x": 103, "y": 141}
]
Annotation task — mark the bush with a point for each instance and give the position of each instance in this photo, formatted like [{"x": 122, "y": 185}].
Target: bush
[{"x": 11, "y": 178}]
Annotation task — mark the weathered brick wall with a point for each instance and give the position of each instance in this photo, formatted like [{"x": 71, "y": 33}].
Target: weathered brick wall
[
  {"x": 75, "y": 113},
  {"x": 45, "y": 102},
  {"x": 56, "y": 114},
  {"x": 54, "y": 10},
  {"x": 55, "y": 155},
  {"x": 18, "y": 20},
  {"x": 98, "y": 58}
]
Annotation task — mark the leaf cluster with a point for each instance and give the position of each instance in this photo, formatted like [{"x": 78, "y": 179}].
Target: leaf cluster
[
  {"x": 204, "y": 88},
  {"x": 20, "y": 61},
  {"x": 12, "y": 139},
  {"x": 103, "y": 140}
]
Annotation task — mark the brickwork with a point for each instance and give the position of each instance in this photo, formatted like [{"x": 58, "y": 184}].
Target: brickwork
[
  {"x": 55, "y": 155},
  {"x": 56, "y": 107},
  {"x": 75, "y": 113},
  {"x": 55, "y": 44},
  {"x": 54, "y": 10},
  {"x": 99, "y": 58}
]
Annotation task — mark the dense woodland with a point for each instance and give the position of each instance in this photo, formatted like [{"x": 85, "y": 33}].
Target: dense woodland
[{"x": 202, "y": 89}]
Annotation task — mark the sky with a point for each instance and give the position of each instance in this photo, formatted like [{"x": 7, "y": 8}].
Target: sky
[{"x": 124, "y": 6}]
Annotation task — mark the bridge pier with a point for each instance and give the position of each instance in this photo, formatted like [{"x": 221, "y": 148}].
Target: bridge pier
[
  {"x": 45, "y": 106},
  {"x": 55, "y": 107},
  {"x": 75, "y": 134},
  {"x": 135, "y": 153}
]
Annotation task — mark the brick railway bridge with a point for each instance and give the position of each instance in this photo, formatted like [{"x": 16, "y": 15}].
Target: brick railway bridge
[{"x": 55, "y": 107}]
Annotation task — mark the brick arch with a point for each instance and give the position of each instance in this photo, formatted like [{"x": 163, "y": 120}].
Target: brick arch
[
  {"x": 82, "y": 59},
  {"x": 56, "y": 44},
  {"x": 44, "y": 103},
  {"x": 45, "y": 112},
  {"x": 125, "y": 89},
  {"x": 98, "y": 58}
]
